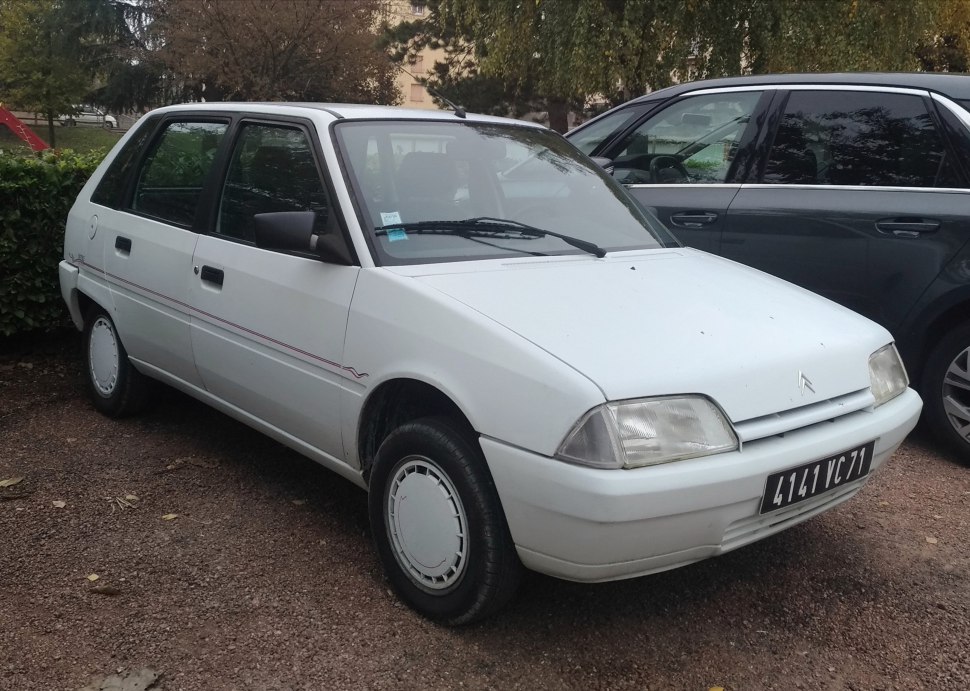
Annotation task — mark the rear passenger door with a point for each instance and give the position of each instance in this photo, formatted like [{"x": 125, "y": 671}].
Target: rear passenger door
[
  {"x": 686, "y": 158},
  {"x": 855, "y": 198},
  {"x": 148, "y": 243},
  {"x": 268, "y": 332}
]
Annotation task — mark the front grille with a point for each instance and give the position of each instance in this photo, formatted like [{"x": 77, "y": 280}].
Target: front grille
[{"x": 797, "y": 418}]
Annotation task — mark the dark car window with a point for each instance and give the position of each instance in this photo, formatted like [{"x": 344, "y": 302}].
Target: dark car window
[
  {"x": 591, "y": 136},
  {"x": 271, "y": 169},
  {"x": 171, "y": 178},
  {"x": 858, "y": 138},
  {"x": 694, "y": 140},
  {"x": 112, "y": 186}
]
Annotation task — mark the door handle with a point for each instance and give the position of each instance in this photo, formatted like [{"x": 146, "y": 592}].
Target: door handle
[
  {"x": 212, "y": 275},
  {"x": 907, "y": 227},
  {"x": 693, "y": 220},
  {"x": 122, "y": 243}
]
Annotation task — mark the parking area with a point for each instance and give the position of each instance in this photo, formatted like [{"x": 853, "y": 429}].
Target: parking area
[{"x": 190, "y": 545}]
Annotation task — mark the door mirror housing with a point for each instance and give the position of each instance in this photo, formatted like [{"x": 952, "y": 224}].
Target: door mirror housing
[{"x": 298, "y": 231}]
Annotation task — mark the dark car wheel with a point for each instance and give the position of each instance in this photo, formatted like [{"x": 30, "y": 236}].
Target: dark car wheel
[
  {"x": 946, "y": 392},
  {"x": 117, "y": 388},
  {"x": 439, "y": 527}
]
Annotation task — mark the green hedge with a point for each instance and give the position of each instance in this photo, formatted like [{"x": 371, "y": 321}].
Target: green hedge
[{"x": 36, "y": 192}]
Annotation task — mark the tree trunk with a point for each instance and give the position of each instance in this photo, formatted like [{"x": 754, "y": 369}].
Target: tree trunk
[
  {"x": 558, "y": 114},
  {"x": 50, "y": 130}
]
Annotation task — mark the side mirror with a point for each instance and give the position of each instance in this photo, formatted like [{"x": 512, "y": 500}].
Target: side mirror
[
  {"x": 294, "y": 231},
  {"x": 604, "y": 163}
]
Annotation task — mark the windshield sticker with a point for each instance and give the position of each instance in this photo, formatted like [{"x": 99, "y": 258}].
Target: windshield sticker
[{"x": 389, "y": 217}]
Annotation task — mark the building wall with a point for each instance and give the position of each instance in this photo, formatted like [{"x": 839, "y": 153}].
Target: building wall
[{"x": 413, "y": 95}]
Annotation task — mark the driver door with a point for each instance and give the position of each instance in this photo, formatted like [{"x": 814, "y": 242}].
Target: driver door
[{"x": 682, "y": 160}]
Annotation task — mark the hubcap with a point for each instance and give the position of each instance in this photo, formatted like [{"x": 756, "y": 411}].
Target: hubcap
[
  {"x": 427, "y": 525},
  {"x": 103, "y": 356}
]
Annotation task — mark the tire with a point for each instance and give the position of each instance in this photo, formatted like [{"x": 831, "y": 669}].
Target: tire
[
  {"x": 117, "y": 389},
  {"x": 945, "y": 388},
  {"x": 470, "y": 569}
]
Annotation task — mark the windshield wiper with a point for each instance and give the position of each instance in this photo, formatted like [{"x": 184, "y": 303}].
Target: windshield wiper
[{"x": 491, "y": 226}]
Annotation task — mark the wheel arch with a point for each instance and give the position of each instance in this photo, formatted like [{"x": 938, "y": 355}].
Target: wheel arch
[
  {"x": 935, "y": 328},
  {"x": 395, "y": 402}
]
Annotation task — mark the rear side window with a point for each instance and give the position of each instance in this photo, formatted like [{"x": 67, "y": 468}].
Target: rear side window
[
  {"x": 858, "y": 138},
  {"x": 111, "y": 189},
  {"x": 172, "y": 175}
]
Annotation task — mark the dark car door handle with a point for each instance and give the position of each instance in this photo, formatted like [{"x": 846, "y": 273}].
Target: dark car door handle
[
  {"x": 212, "y": 275},
  {"x": 123, "y": 244},
  {"x": 693, "y": 220},
  {"x": 907, "y": 227}
]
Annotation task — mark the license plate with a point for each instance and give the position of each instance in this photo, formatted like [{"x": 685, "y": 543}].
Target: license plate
[{"x": 812, "y": 479}]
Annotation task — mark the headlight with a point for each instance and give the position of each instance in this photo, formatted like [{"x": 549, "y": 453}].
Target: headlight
[
  {"x": 630, "y": 434},
  {"x": 887, "y": 376}
]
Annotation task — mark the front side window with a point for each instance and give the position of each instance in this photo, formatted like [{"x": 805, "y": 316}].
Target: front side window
[
  {"x": 858, "y": 138},
  {"x": 590, "y": 137},
  {"x": 694, "y": 140},
  {"x": 172, "y": 175},
  {"x": 435, "y": 192},
  {"x": 271, "y": 169}
]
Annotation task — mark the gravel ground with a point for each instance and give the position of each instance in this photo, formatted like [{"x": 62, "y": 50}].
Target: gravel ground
[{"x": 265, "y": 578}]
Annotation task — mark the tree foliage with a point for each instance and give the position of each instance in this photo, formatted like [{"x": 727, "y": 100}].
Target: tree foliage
[
  {"x": 40, "y": 63},
  {"x": 275, "y": 49},
  {"x": 564, "y": 52}
]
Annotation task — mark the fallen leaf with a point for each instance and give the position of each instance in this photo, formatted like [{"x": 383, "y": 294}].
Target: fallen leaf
[
  {"x": 299, "y": 502},
  {"x": 59, "y": 504},
  {"x": 170, "y": 517},
  {"x": 92, "y": 577},
  {"x": 131, "y": 497},
  {"x": 932, "y": 540},
  {"x": 10, "y": 481},
  {"x": 937, "y": 517},
  {"x": 716, "y": 688}
]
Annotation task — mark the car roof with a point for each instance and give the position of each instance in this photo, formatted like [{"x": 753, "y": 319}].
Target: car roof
[
  {"x": 953, "y": 85},
  {"x": 340, "y": 111}
]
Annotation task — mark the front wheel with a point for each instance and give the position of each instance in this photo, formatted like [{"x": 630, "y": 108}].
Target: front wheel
[
  {"x": 438, "y": 525},
  {"x": 117, "y": 389},
  {"x": 945, "y": 388}
]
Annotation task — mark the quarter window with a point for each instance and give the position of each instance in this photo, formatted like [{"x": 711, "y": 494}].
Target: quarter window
[
  {"x": 695, "y": 140},
  {"x": 171, "y": 178},
  {"x": 271, "y": 169},
  {"x": 858, "y": 138}
]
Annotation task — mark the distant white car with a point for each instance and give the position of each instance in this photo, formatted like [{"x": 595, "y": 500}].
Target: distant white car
[
  {"x": 471, "y": 320},
  {"x": 88, "y": 115}
]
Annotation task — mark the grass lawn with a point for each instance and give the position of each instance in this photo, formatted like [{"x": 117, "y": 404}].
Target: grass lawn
[{"x": 79, "y": 138}]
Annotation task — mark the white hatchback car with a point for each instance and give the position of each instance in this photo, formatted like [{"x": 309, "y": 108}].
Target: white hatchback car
[
  {"x": 471, "y": 320},
  {"x": 88, "y": 115}
]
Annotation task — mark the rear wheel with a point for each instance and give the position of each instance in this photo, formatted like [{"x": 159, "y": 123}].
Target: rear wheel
[
  {"x": 439, "y": 527},
  {"x": 945, "y": 388},
  {"x": 116, "y": 387}
]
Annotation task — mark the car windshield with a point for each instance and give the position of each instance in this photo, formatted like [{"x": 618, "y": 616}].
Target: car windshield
[{"x": 432, "y": 191}]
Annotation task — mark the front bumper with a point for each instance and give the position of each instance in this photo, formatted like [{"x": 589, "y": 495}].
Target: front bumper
[{"x": 587, "y": 524}]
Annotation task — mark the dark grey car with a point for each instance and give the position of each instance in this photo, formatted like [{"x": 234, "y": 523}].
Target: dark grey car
[{"x": 855, "y": 186}]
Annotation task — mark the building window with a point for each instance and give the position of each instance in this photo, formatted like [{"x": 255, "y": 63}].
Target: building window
[
  {"x": 417, "y": 92},
  {"x": 417, "y": 8},
  {"x": 418, "y": 65}
]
